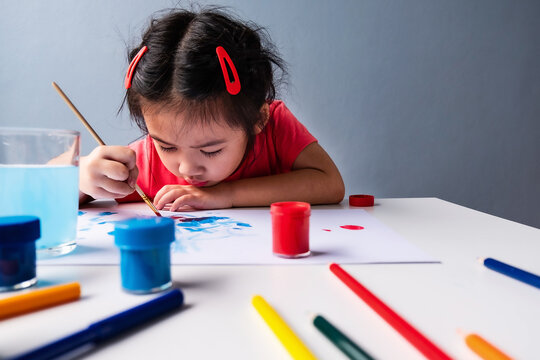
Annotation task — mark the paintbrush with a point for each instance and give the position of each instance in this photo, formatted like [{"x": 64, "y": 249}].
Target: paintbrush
[{"x": 98, "y": 139}]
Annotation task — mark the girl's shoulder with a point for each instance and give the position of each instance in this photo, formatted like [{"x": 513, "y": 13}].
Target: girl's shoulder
[
  {"x": 139, "y": 144},
  {"x": 276, "y": 107},
  {"x": 283, "y": 123},
  {"x": 144, "y": 150},
  {"x": 280, "y": 114}
]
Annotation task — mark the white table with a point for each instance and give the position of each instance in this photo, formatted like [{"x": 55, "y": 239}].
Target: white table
[{"x": 218, "y": 320}]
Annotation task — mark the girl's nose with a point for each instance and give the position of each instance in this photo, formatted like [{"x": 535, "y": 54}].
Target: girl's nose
[{"x": 190, "y": 169}]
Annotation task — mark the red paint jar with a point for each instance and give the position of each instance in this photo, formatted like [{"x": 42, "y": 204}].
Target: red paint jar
[{"x": 290, "y": 228}]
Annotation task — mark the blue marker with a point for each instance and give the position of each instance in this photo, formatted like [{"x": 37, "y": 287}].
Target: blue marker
[
  {"x": 108, "y": 328},
  {"x": 513, "y": 272}
]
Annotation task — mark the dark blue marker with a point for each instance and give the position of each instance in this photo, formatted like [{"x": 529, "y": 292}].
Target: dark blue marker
[
  {"x": 513, "y": 272},
  {"x": 108, "y": 328}
]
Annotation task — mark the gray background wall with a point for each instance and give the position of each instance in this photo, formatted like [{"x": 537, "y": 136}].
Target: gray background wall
[{"x": 411, "y": 98}]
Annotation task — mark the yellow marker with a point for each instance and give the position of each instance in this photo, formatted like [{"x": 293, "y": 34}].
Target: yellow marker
[
  {"x": 39, "y": 299},
  {"x": 288, "y": 338}
]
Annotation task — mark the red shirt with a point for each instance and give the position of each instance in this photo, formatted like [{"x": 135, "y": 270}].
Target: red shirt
[{"x": 274, "y": 151}]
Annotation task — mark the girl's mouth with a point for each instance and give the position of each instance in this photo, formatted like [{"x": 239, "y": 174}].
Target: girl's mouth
[{"x": 197, "y": 183}]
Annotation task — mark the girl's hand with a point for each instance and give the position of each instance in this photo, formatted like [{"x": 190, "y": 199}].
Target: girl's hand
[
  {"x": 108, "y": 172},
  {"x": 189, "y": 197}
]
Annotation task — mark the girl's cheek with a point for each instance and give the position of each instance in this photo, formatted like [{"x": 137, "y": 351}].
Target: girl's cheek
[{"x": 171, "y": 164}]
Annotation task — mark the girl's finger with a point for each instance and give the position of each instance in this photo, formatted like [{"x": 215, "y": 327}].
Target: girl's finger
[
  {"x": 184, "y": 201},
  {"x": 167, "y": 197},
  {"x": 164, "y": 190},
  {"x": 121, "y": 154},
  {"x": 115, "y": 170},
  {"x": 115, "y": 187},
  {"x": 100, "y": 193},
  {"x": 158, "y": 196},
  {"x": 132, "y": 178}
]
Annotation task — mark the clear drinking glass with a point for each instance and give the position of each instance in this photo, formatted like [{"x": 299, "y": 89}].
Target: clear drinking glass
[{"x": 39, "y": 175}]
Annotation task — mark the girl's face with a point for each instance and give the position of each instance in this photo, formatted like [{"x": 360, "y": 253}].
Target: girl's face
[{"x": 202, "y": 154}]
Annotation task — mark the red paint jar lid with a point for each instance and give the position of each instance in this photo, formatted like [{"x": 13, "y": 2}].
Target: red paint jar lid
[
  {"x": 361, "y": 200},
  {"x": 290, "y": 208}
]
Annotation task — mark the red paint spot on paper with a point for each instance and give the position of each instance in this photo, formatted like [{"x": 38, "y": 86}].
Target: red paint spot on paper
[
  {"x": 327, "y": 230},
  {"x": 178, "y": 217},
  {"x": 352, "y": 227}
]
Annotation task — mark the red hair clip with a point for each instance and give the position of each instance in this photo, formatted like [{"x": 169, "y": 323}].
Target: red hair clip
[
  {"x": 232, "y": 87},
  {"x": 132, "y": 65}
]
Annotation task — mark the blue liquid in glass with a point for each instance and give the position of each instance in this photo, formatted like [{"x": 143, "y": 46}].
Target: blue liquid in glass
[{"x": 49, "y": 192}]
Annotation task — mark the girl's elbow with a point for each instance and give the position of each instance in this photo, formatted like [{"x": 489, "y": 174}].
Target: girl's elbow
[
  {"x": 340, "y": 193},
  {"x": 337, "y": 193}
]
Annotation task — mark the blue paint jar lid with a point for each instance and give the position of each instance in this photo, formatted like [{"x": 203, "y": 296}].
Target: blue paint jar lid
[
  {"x": 19, "y": 229},
  {"x": 144, "y": 233}
]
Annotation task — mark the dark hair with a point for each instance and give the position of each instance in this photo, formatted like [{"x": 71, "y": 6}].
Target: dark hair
[{"x": 181, "y": 70}]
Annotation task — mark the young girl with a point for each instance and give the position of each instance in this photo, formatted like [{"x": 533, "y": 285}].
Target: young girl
[{"x": 201, "y": 88}]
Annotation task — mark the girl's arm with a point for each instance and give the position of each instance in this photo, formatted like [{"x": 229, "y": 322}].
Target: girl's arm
[{"x": 314, "y": 179}]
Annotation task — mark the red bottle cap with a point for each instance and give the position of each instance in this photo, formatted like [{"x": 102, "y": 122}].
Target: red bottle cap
[
  {"x": 361, "y": 200},
  {"x": 291, "y": 208}
]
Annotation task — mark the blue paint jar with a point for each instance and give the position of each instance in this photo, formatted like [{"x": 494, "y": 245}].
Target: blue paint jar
[
  {"x": 18, "y": 235},
  {"x": 145, "y": 253}
]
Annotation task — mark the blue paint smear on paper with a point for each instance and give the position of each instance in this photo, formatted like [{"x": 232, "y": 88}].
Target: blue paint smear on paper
[
  {"x": 96, "y": 221},
  {"x": 199, "y": 220},
  {"x": 190, "y": 230},
  {"x": 106, "y": 213}
]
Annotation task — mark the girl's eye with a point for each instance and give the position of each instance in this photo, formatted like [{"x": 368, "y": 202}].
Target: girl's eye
[
  {"x": 211, "y": 154},
  {"x": 167, "y": 148}
]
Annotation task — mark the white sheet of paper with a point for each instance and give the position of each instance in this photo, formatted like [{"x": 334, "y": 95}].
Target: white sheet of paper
[{"x": 244, "y": 236}]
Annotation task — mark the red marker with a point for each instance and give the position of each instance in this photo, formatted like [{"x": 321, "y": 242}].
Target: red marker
[{"x": 419, "y": 341}]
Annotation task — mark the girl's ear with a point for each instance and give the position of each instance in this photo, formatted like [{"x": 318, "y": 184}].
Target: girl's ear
[{"x": 265, "y": 115}]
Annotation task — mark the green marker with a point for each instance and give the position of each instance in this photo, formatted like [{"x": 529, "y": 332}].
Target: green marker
[{"x": 343, "y": 343}]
